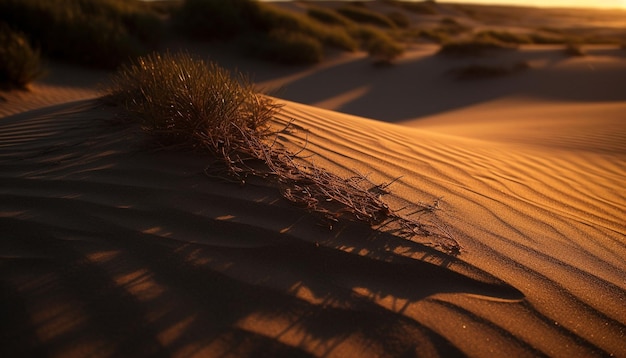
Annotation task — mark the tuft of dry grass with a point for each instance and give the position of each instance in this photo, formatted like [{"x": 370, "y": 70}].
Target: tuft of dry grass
[
  {"x": 328, "y": 16},
  {"x": 366, "y": 16},
  {"x": 474, "y": 47},
  {"x": 574, "y": 49},
  {"x": 20, "y": 64},
  {"x": 378, "y": 43},
  {"x": 188, "y": 102}
]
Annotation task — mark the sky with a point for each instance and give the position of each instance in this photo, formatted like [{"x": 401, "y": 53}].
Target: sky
[{"x": 615, "y": 4}]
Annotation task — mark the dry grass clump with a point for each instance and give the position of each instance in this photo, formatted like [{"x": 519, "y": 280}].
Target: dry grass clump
[
  {"x": 285, "y": 47},
  {"x": 399, "y": 19},
  {"x": 448, "y": 29},
  {"x": 378, "y": 43},
  {"x": 364, "y": 15},
  {"x": 504, "y": 36},
  {"x": 258, "y": 25},
  {"x": 574, "y": 49},
  {"x": 215, "y": 19},
  {"x": 474, "y": 47},
  {"x": 20, "y": 64},
  {"x": 271, "y": 17},
  {"x": 384, "y": 50},
  {"x": 188, "y": 102},
  {"x": 328, "y": 16},
  {"x": 421, "y": 8}
]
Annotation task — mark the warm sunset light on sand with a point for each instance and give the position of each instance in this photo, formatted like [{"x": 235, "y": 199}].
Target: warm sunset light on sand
[{"x": 217, "y": 178}]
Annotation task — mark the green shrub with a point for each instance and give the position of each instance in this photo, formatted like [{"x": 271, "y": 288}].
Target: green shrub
[
  {"x": 364, "y": 15},
  {"x": 92, "y": 32},
  {"x": 285, "y": 47},
  {"x": 184, "y": 101},
  {"x": 328, "y": 16},
  {"x": 19, "y": 63}
]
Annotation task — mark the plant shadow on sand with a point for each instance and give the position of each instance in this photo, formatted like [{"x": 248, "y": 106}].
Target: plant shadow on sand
[{"x": 118, "y": 249}]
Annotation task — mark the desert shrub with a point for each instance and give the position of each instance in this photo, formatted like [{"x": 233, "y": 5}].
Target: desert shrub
[
  {"x": 422, "y": 8},
  {"x": 93, "y": 32},
  {"x": 339, "y": 38},
  {"x": 384, "y": 50},
  {"x": 215, "y": 19},
  {"x": 19, "y": 62},
  {"x": 504, "y": 36},
  {"x": 364, "y": 15},
  {"x": 574, "y": 49},
  {"x": 271, "y": 18},
  {"x": 219, "y": 19},
  {"x": 399, "y": 19},
  {"x": 544, "y": 38},
  {"x": 474, "y": 47},
  {"x": 285, "y": 47},
  {"x": 437, "y": 35},
  {"x": 366, "y": 34},
  {"x": 382, "y": 47},
  {"x": 186, "y": 101},
  {"x": 444, "y": 32},
  {"x": 328, "y": 16},
  {"x": 449, "y": 21}
]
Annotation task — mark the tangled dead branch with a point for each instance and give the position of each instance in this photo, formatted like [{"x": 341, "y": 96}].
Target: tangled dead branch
[{"x": 332, "y": 196}]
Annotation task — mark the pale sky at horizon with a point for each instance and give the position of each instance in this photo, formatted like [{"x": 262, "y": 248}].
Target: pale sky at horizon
[
  {"x": 607, "y": 4},
  {"x": 611, "y": 4}
]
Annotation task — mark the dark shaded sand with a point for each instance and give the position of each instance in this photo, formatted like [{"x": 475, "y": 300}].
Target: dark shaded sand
[{"x": 112, "y": 248}]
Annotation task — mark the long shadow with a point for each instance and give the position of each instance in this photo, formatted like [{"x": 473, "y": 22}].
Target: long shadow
[{"x": 421, "y": 85}]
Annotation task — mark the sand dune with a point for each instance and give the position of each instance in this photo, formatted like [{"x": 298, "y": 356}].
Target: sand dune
[{"x": 113, "y": 248}]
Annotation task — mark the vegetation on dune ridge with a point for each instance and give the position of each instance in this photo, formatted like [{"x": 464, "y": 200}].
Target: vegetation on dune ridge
[
  {"x": 258, "y": 25},
  {"x": 186, "y": 102},
  {"x": 478, "y": 46},
  {"x": 364, "y": 15},
  {"x": 270, "y": 32},
  {"x": 101, "y": 33},
  {"x": 20, "y": 64}
]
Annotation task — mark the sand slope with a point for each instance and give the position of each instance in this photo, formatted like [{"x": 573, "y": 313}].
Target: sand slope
[{"x": 111, "y": 248}]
